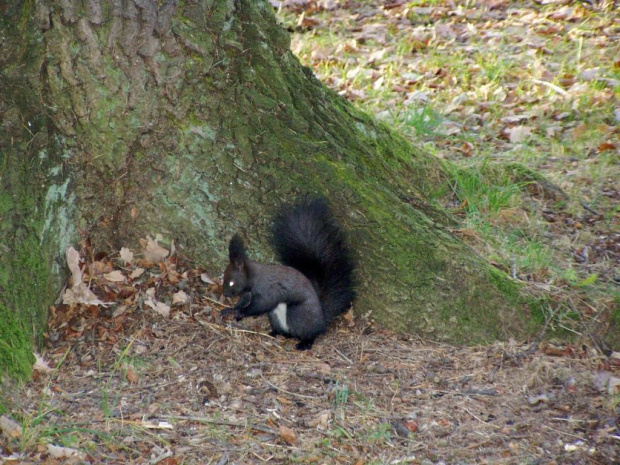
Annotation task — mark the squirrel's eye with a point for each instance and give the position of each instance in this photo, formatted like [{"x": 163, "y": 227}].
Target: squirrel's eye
[{"x": 231, "y": 284}]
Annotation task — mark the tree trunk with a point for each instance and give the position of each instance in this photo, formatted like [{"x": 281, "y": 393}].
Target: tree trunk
[{"x": 194, "y": 120}]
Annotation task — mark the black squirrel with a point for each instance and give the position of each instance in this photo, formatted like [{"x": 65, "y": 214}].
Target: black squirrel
[{"x": 312, "y": 286}]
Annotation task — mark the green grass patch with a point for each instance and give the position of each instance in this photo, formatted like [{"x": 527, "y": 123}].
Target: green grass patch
[{"x": 480, "y": 191}]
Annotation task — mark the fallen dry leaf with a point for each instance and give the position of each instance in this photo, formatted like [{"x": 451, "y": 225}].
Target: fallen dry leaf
[
  {"x": 10, "y": 427},
  {"x": 518, "y": 134},
  {"x": 73, "y": 261},
  {"x": 321, "y": 420},
  {"x": 59, "y": 452},
  {"x": 157, "y": 425},
  {"x": 98, "y": 268},
  {"x": 515, "y": 118},
  {"x": 411, "y": 426},
  {"x": 160, "y": 307},
  {"x": 613, "y": 386},
  {"x": 288, "y": 435},
  {"x": 606, "y": 146},
  {"x": 79, "y": 292},
  {"x": 115, "y": 276},
  {"x": 204, "y": 277},
  {"x": 136, "y": 273},
  {"x": 41, "y": 365},
  {"x": 180, "y": 298},
  {"x": 80, "y": 295},
  {"x": 349, "y": 317},
  {"x": 153, "y": 252},
  {"x": 126, "y": 255},
  {"x": 119, "y": 311},
  {"x": 131, "y": 375}
]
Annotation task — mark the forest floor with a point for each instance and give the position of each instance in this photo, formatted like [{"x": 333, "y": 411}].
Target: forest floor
[{"x": 147, "y": 372}]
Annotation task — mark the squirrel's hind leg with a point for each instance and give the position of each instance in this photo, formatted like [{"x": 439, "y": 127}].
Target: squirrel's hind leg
[{"x": 305, "y": 344}]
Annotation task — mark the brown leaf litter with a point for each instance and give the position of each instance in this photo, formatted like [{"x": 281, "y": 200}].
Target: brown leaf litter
[{"x": 133, "y": 386}]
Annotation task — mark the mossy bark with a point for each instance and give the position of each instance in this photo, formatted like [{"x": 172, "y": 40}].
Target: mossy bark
[
  {"x": 194, "y": 120},
  {"x": 31, "y": 195}
]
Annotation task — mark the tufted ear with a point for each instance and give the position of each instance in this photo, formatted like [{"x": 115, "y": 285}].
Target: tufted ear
[{"x": 236, "y": 250}]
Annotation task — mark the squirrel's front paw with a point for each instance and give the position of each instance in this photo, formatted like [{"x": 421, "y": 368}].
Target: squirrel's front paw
[
  {"x": 226, "y": 312},
  {"x": 234, "y": 311}
]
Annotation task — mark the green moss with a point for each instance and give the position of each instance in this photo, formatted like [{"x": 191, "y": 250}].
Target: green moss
[
  {"x": 504, "y": 284},
  {"x": 16, "y": 357},
  {"x": 24, "y": 279},
  {"x": 29, "y": 243},
  {"x": 26, "y": 291}
]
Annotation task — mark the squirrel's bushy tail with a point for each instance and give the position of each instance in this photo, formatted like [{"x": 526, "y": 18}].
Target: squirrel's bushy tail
[{"x": 307, "y": 237}]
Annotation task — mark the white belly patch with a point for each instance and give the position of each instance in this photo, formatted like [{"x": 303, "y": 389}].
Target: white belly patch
[{"x": 279, "y": 315}]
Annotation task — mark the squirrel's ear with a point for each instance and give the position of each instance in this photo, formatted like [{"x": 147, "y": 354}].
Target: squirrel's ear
[{"x": 236, "y": 249}]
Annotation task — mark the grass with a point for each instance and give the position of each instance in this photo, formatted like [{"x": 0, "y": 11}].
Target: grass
[
  {"x": 36, "y": 426},
  {"x": 379, "y": 434},
  {"x": 460, "y": 80},
  {"x": 48, "y": 424},
  {"x": 422, "y": 121},
  {"x": 480, "y": 194},
  {"x": 110, "y": 393}
]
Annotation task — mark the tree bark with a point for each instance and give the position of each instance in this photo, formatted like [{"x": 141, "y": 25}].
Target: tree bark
[{"x": 194, "y": 120}]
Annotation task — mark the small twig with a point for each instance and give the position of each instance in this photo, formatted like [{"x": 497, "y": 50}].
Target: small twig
[
  {"x": 264, "y": 429},
  {"x": 563, "y": 432},
  {"x": 344, "y": 356},
  {"x": 481, "y": 392},
  {"x": 587, "y": 207},
  {"x": 260, "y": 458},
  {"x": 163, "y": 456},
  {"x": 140, "y": 423},
  {"x": 217, "y": 302},
  {"x": 482, "y": 421},
  {"x": 574, "y": 420},
  {"x": 410, "y": 459},
  {"x": 570, "y": 330},
  {"x": 285, "y": 391},
  {"x": 239, "y": 168},
  {"x": 238, "y": 330},
  {"x": 478, "y": 445},
  {"x": 559, "y": 90},
  {"x": 206, "y": 325},
  {"x": 347, "y": 433}
]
